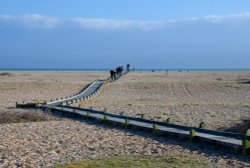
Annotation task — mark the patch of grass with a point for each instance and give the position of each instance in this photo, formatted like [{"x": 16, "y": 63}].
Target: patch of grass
[{"x": 140, "y": 162}]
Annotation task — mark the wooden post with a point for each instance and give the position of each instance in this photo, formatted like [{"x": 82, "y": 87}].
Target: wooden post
[
  {"x": 88, "y": 115},
  {"x": 74, "y": 112},
  {"x": 126, "y": 123},
  {"x": 62, "y": 110},
  {"x": 168, "y": 120},
  {"x": 246, "y": 144},
  {"x": 105, "y": 118},
  {"x": 154, "y": 127},
  {"x": 16, "y": 104},
  {"x": 202, "y": 125},
  {"x": 191, "y": 134},
  {"x": 142, "y": 116}
]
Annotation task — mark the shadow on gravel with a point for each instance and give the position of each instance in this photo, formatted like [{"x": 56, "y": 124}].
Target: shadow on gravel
[
  {"x": 247, "y": 82},
  {"x": 244, "y": 81},
  {"x": 239, "y": 128},
  {"x": 212, "y": 150}
]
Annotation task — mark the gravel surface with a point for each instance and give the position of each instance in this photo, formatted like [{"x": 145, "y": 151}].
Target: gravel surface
[
  {"x": 220, "y": 99},
  {"x": 44, "y": 144},
  {"x": 34, "y": 86}
]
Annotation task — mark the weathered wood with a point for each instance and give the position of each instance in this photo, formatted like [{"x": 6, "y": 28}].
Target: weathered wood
[
  {"x": 154, "y": 128},
  {"x": 202, "y": 125},
  {"x": 27, "y": 105},
  {"x": 126, "y": 123},
  {"x": 246, "y": 144},
  {"x": 105, "y": 118},
  {"x": 192, "y": 134},
  {"x": 168, "y": 120}
]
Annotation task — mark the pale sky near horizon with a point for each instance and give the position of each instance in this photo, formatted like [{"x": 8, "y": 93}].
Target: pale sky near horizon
[{"x": 145, "y": 33}]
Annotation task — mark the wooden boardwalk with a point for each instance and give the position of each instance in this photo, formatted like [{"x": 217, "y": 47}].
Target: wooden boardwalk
[
  {"x": 88, "y": 92},
  {"x": 228, "y": 139},
  {"x": 157, "y": 127}
]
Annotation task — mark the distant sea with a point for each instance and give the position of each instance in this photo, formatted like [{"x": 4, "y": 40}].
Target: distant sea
[{"x": 140, "y": 69}]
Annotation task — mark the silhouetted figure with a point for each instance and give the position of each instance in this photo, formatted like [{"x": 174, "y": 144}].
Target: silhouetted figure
[
  {"x": 119, "y": 70},
  {"x": 113, "y": 75},
  {"x": 128, "y": 67}
]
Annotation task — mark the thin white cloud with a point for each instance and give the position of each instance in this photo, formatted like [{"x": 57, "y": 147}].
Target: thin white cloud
[
  {"x": 232, "y": 18},
  {"x": 41, "y": 21},
  {"x": 31, "y": 20},
  {"x": 116, "y": 24}
]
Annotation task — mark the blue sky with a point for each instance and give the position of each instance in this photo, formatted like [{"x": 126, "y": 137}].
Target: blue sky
[{"x": 146, "y": 33}]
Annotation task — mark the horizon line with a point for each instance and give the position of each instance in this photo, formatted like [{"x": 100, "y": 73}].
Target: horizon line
[{"x": 134, "y": 69}]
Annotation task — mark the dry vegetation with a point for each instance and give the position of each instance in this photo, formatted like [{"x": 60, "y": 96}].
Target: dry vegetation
[
  {"x": 5, "y": 74},
  {"x": 19, "y": 115},
  {"x": 220, "y": 99}
]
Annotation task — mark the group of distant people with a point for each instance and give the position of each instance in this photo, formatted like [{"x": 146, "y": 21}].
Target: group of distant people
[{"x": 118, "y": 72}]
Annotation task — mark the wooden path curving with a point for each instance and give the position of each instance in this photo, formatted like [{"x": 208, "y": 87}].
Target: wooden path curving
[
  {"x": 157, "y": 127},
  {"x": 87, "y": 93}
]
